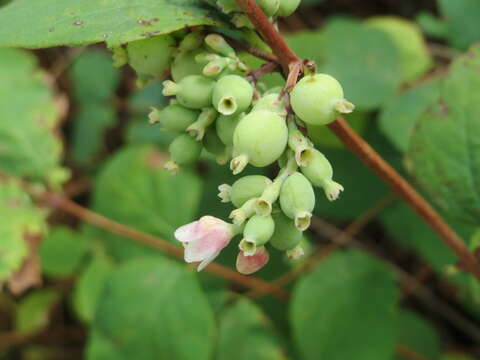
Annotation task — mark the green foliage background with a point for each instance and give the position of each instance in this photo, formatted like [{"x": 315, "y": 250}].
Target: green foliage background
[{"x": 72, "y": 123}]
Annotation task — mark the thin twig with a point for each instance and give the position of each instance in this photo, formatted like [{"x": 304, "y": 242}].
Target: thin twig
[
  {"x": 403, "y": 189},
  {"x": 267, "y": 68},
  {"x": 251, "y": 50},
  {"x": 268, "y": 32},
  {"x": 60, "y": 202},
  {"x": 340, "y": 239},
  {"x": 408, "y": 353}
]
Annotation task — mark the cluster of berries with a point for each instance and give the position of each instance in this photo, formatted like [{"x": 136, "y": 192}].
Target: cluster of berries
[{"x": 218, "y": 107}]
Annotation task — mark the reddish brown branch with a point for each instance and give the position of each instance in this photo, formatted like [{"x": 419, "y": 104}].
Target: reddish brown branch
[
  {"x": 60, "y": 202},
  {"x": 403, "y": 189},
  {"x": 343, "y": 131},
  {"x": 271, "y": 36}
]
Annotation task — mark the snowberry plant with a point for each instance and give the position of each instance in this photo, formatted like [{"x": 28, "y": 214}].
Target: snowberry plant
[{"x": 218, "y": 104}]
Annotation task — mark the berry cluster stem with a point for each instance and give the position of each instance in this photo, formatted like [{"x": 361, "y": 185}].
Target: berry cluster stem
[{"x": 290, "y": 64}]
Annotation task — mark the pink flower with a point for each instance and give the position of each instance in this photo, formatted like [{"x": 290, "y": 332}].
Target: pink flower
[
  {"x": 249, "y": 264},
  {"x": 204, "y": 239}
]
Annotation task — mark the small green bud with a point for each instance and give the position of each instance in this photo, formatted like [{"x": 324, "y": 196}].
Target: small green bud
[
  {"x": 297, "y": 200},
  {"x": 224, "y": 193},
  {"x": 269, "y": 7},
  {"x": 119, "y": 56},
  {"x": 232, "y": 94},
  {"x": 191, "y": 41},
  {"x": 193, "y": 91},
  {"x": 241, "y": 21},
  {"x": 212, "y": 143},
  {"x": 248, "y": 187},
  {"x": 216, "y": 66},
  {"x": 258, "y": 230},
  {"x": 151, "y": 56},
  {"x": 218, "y": 44},
  {"x": 205, "y": 119},
  {"x": 259, "y": 139},
  {"x": 241, "y": 214},
  {"x": 299, "y": 144},
  {"x": 296, "y": 253},
  {"x": 286, "y": 236},
  {"x": 318, "y": 99},
  {"x": 271, "y": 102},
  {"x": 183, "y": 150},
  {"x": 184, "y": 65},
  {"x": 227, "y": 6},
  {"x": 153, "y": 116},
  {"x": 225, "y": 126},
  {"x": 287, "y": 7},
  {"x": 174, "y": 117},
  {"x": 319, "y": 171}
]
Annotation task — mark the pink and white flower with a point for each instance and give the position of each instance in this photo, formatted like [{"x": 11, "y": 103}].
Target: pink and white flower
[
  {"x": 248, "y": 264},
  {"x": 204, "y": 239}
]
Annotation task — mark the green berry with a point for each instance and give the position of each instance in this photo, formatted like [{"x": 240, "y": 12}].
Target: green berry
[
  {"x": 319, "y": 171},
  {"x": 191, "y": 42},
  {"x": 259, "y": 139},
  {"x": 248, "y": 187},
  {"x": 258, "y": 230},
  {"x": 225, "y": 126},
  {"x": 297, "y": 200},
  {"x": 286, "y": 236},
  {"x": 269, "y": 7},
  {"x": 185, "y": 64},
  {"x": 183, "y": 150},
  {"x": 193, "y": 91},
  {"x": 151, "y": 56},
  {"x": 176, "y": 118},
  {"x": 317, "y": 99},
  {"x": 218, "y": 44},
  {"x": 287, "y": 7},
  {"x": 232, "y": 94},
  {"x": 212, "y": 143},
  {"x": 271, "y": 102},
  {"x": 408, "y": 38}
]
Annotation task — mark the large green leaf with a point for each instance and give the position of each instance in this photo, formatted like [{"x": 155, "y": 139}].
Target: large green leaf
[
  {"x": 398, "y": 116},
  {"x": 462, "y": 21},
  {"x": 345, "y": 309},
  {"x": 359, "y": 56},
  {"x": 28, "y": 118},
  {"x": 153, "y": 309},
  {"x": 418, "y": 335},
  {"x": 19, "y": 218},
  {"x": 45, "y": 23},
  {"x": 445, "y": 145},
  {"x": 134, "y": 189},
  {"x": 245, "y": 333},
  {"x": 62, "y": 251}
]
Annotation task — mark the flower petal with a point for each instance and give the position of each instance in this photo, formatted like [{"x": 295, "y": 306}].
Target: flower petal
[
  {"x": 188, "y": 232},
  {"x": 207, "y": 261},
  {"x": 211, "y": 242},
  {"x": 249, "y": 264}
]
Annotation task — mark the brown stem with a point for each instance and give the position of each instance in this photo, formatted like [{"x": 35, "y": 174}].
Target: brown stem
[
  {"x": 403, "y": 189},
  {"x": 60, "y": 202},
  {"x": 343, "y": 131},
  {"x": 267, "y": 68},
  {"x": 271, "y": 36}
]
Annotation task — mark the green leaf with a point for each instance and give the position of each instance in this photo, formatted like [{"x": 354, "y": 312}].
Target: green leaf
[
  {"x": 93, "y": 76},
  {"x": 398, "y": 117},
  {"x": 34, "y": 310},
  {"x": 89, "y": 127},
  {"x": 62, "y": 251},
  {"x": 245, "y": 333},
  {"x": 29, "y": 116},
  {"x": 154, "y": 309},
  {"x": 90, "y": 285},
  {"x": 19, "y": 218},
  {"x": 361, "y": 57},
  {"x": 462, "y": 21},
  {"x": 418, "y": 335},
  {"x": 46, "y": 23},
  {"x": 445, "y": 145},
  {"x": 134, "y": 189},
  {"x": 345, "y": 309},
  {"x": 409, "y": 230}
]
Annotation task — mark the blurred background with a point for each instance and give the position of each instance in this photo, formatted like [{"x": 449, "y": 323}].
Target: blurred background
[{"x": 376, "y": 284}]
